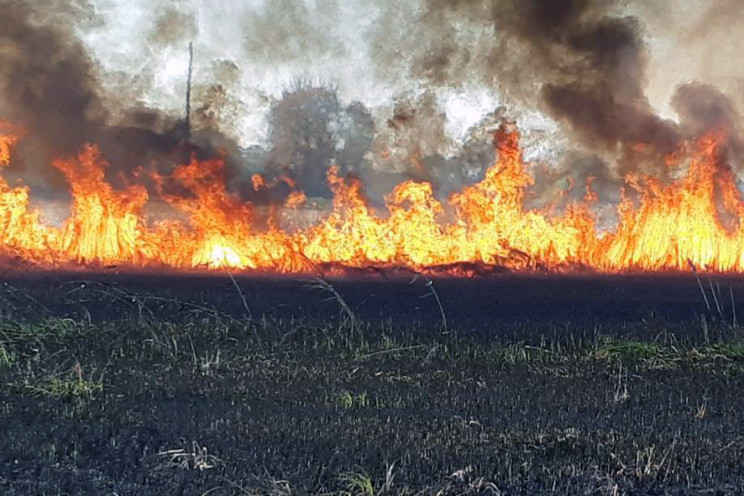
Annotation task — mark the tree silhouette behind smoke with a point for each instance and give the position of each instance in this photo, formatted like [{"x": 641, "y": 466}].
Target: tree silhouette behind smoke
[{"x": 311, "y": 130}]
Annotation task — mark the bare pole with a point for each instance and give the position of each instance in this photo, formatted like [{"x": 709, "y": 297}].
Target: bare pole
[{"x": 188, "y": 90}]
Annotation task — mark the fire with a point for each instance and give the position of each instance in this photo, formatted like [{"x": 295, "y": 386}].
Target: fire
[
  {"x": 105, "y": 226},
  {"x": 680, "y": 223},
  {"x": 694, "y": 220}
]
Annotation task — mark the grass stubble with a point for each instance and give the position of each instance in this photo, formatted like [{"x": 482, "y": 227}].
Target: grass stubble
[{"x": 181, "y": 397}]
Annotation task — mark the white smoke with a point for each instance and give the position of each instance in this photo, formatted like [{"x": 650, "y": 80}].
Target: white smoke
[
  {"x": 330, "y": 50},
  {"x": 257, "y": 49}
]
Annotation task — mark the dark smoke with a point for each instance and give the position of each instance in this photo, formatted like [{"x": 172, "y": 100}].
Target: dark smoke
[
  {"x": 585, "y": 66},
  {"x": 311, "y": 130},
  {"x": 47, "y": 81},
  {"x": 49, "y": 86},
  {"x": 703, "y": 108},
  {"x": 582, "y": 62}
]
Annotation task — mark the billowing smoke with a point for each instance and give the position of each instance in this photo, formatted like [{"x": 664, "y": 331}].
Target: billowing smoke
[
  {"x": 52, "y": 89},
  {"x": 380, "y": 87},
  {"x": 582, "y": 62},
  {"x": 49, "y": 87},
  {"x": 46, "y": 84},
  {"x": 703, "y": 108}
]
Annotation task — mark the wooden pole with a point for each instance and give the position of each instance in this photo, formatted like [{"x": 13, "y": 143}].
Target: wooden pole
[{"x": 188, "y": 91}]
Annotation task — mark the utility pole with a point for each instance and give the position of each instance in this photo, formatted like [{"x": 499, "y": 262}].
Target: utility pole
[{"x": 188, "y": 91}]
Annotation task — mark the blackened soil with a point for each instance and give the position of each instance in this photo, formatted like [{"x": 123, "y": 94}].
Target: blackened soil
[
  {"x": 129, "y": 386},
  {"x": 469, "y": 303}
]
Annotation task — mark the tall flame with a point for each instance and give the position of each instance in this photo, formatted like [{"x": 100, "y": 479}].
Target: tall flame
[{"x": 695, "y": 220}]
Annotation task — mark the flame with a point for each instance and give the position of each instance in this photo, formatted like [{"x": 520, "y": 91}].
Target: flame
[
  {"x": 105, "y": 226},
  {"x": 693, "y": 221},
  {"x": 679, "y": 224}
]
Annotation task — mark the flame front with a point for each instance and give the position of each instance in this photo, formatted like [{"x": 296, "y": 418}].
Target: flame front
[{"x": 693, "y": 221}]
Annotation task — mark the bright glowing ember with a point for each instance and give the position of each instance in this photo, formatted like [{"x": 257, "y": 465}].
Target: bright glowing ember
[{"x": 692, "y": 221}]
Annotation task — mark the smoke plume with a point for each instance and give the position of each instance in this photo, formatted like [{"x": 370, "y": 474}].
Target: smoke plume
[{"x": 376, "y": 80}]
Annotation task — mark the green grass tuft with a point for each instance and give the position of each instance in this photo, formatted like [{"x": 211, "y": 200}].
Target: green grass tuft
[
  {"x": 633, "y": 351},
  {"x": 348, "y": 400},
  {"x": 358, "y": 483},
  {"x": 54, "y": 387}
]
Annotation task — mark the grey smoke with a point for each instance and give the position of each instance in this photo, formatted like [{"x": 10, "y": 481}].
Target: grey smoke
[
  {"x": 50, "y": 87},
  {"x": 287, "y": 31},
  {"x": 173, "y": 26},
  {"x": 585, "y": 64},
  {"x": 572, "y": 58}
]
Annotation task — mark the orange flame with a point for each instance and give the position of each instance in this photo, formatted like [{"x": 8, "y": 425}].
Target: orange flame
[{"x": 695, "y": 219}]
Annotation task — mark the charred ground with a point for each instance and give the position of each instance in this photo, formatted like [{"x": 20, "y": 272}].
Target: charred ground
[{"x": 132, "y": 384}]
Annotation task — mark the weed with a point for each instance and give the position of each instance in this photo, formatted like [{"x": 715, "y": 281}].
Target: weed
[
  {"x": 389, "y": 479},
  {"x": 702, "y": 410},
  {"x": 209, "y": 363},
  {"x": 324, "y": 285},
  {"x": 633, "y": 351},
  {"x": 390, "y": 352},
  {"x": 717, "y": 297},
  {"x": 520, "y": 353},
  {"x": 348, "y": 400},
  {"x": 7, "y": 358},
  {"x": 358, "y": 483},
  {"x": 649, "y": 464},
  {"x": 433, "y": 292},
  {"x": 196, "y": 458},
  {"x": 243, "y": 299},
  {"x": 472, "y": 485},
  {"x": 621, "y": 389},
  {"x": 163, "y": 338},
  {"x": 732, "y": 350},
  {"x": 49, "y": 330},
  {"x": 74, "y": 387}
]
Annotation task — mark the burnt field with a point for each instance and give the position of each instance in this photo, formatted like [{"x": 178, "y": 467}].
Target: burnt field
[{"x": 378, "y": 384}]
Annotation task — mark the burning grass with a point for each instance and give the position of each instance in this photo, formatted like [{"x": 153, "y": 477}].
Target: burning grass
[{"x": 690, "y": 222}]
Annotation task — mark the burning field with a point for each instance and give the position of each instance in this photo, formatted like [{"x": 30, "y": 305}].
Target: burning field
[
  {"x": 91, "y": 185},
  {"x": 692, "y": 222},
  {"x": 449, "y": 247}
]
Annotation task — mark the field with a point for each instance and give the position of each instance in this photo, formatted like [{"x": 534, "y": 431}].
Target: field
[{"x": 119, "y": 384}]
